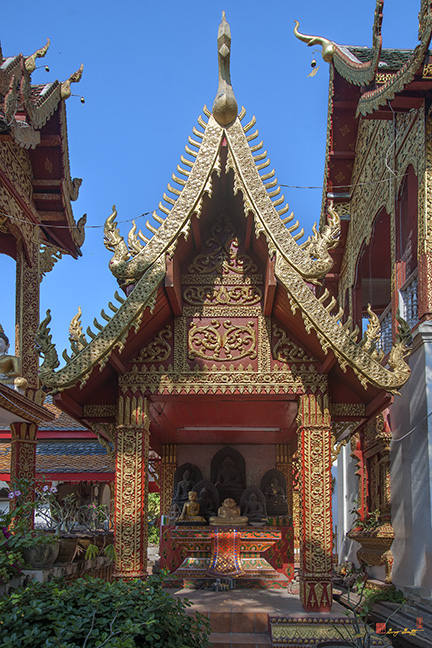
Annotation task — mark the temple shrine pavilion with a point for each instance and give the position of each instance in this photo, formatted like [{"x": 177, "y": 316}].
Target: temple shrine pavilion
[{"x": 227, "y": 358}]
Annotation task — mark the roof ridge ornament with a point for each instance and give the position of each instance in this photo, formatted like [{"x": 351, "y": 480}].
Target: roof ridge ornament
[
  {"x": 349, "y": 67},
  {"x": 30, "y": 61},
  {"x": 225, "y": 108}
]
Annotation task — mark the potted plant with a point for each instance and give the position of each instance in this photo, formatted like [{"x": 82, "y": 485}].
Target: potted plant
[
  {"x": 38, "y": 548},
  {"x": 375, "y": 537}
]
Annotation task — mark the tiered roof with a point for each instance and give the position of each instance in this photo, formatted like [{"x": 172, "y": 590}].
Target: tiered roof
[
  {"x": 34, "y": 117},
  {"x": 140, "y": 265}
]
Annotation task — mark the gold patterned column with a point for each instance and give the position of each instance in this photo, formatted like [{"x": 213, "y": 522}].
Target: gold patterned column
[
  {"x": 168, "y": 468},
  {"x": 315, "y": 503},
  {"x": 131, "y": 486},
  {"x": 23, "y": 453},
  {"x": 27, "y": 309},
  {"x": 424, "y": 252},
  {"x": 284, "y": 465}
]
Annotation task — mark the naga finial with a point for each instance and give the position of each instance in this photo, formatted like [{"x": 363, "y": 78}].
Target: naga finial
[
  {"x": 74, "y": 78},
  {"x": 30, "y": 62},
  {"x": 328, "y": 48},
  {"x": 225, "y": 107}
]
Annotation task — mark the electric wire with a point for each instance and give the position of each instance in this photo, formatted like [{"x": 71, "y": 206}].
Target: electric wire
[{"x": 149, "y": 213}]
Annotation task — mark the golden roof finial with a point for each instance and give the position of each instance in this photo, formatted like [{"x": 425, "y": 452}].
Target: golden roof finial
[
  {"x": 225, "y": 107},
  {"x": 30, "y": 62},
  {"x": 328, "y": 48},
  {"x": 74, "y": 78}
]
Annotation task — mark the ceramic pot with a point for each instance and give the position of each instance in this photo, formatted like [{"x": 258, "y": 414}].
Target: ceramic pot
[
  {"x": 68, "y": 545},
  {"x": 41, "y": 556}
]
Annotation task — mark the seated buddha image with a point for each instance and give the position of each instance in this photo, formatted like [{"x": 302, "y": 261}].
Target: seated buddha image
[
  {"x": 10, "y": 372},
  {"x": 207, "y": 506},
  {"x": 184, "y": 487},
  {"x": 228, "y": 475},
  {"x": 276, "y": 500},
  {"x": 275, "y": 493},
  {"x": 191, "y": 509},
  {"x": 228, "y": 480},
  {"x": 229, "y": 515},
  {"x": 254, "y": 509}
]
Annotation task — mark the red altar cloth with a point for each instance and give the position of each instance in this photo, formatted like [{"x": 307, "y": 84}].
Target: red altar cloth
[{"x": 280, "y": 555}]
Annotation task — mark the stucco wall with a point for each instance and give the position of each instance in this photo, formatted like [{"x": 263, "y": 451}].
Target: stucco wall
[{"x": 411, "y": 470}]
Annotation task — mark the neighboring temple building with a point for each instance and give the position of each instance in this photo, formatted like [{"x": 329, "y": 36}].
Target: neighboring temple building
[
  {"x": 224, "y": 358},
  {"x": 37, "y": 227},
  {"x": 378, "y": 176}
]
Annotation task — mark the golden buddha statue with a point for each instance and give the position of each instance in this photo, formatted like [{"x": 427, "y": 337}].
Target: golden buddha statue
[
  {"x": 10, "y": 370},
  {"x": 229, "y": 515},
  {"x": 191, "y": 509}
]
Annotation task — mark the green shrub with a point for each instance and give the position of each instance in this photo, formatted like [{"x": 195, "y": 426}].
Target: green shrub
[
  {"x": 153, "y": 517},
  {"x": 91, "y": 613}
]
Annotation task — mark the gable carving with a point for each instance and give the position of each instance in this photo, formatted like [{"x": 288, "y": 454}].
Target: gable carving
[
  {"x": 159, "y": 349},
  {"x": 285, "y": 350},
  {"x": 221, "y": 254},
  {"x": 222, "y": 340}
]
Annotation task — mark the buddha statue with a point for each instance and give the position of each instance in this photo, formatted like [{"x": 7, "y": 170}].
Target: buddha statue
[
  {"x": 184, "y": 487},
  {"x": 275, "y": 493},
  {"x": 10, "y": 370},
  {"x": 228, "y": 475},
  {"x": 207, "y": 505},
  {"x": 229, "y": 515},
  {"x": 191, "y": 509},
  {"x": 254, "y": 509}
]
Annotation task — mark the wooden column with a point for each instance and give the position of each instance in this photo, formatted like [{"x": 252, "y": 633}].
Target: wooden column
[
  {"x": 27, "y": 309},
  {"x": 168, "y": 468},
  {"x": 131, "y": 487},
  {"x": 315, "y": 503}
]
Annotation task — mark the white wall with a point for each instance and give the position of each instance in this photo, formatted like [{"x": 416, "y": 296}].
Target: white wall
[
  {"x": 411, "y": 470},
  {"x": 347, "y": 494}
]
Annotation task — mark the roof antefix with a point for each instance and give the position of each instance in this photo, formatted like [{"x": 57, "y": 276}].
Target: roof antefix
[
  {"x": 359, "y": 66},
  {"x": 140, "y": 265}
]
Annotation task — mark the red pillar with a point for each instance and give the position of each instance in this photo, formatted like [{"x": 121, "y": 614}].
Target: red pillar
[{"x": 316, "y": 539}]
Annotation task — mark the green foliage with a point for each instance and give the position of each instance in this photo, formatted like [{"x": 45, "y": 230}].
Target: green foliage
[
  {"x": 372, "y": 596},
  {"x": 369, "y": 523},
  {"x": 153, "y": 516},
  {"x": 90, "y": 613},
  {"x": 93, "y": 551},
  {"x": 16, "y": 533}
]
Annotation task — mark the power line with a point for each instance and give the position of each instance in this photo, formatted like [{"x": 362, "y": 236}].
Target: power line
[{"x": 148, "y": 213}]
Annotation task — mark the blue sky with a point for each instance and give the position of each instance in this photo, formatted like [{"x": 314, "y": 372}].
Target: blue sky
[{"x": 149, "y": 68}]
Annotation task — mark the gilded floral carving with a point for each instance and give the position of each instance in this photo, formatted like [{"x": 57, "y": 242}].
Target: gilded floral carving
[
  {"x": 222, "y": 341},
  {"x": 222, "y": 295},
  {"x": 159, "y": 349}
]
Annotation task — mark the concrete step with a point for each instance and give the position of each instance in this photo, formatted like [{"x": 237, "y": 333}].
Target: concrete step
[{"x": 239, "y": 640}]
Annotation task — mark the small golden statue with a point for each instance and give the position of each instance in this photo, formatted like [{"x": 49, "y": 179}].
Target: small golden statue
[
  {"x": 191, "y": 509},
  {"x": 10, "y": 370},
  {"x": 229, "y": 515}
]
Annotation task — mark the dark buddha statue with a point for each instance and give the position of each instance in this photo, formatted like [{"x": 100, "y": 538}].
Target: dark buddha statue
[
  {"x": 254, "y": 509},
  {"x": 184, "y": 487}
]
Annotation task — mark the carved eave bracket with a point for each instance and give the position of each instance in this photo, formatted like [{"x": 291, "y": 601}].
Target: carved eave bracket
[{"x": 348, "y": 66}]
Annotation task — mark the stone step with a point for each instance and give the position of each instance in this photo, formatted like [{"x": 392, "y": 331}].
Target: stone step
[
  {"x": 239, "y": 640},
  {"x": 236, "y": 622}
]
